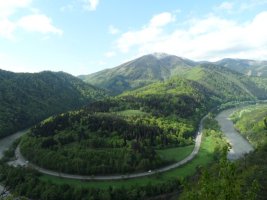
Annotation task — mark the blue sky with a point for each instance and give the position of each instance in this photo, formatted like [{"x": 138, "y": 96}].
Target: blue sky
[{"x": 85, "y": 36}]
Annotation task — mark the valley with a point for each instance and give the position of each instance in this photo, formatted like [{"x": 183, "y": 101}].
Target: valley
[{"x": 137, "y": 131}]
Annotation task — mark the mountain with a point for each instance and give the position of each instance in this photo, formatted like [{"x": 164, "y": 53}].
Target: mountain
[
  {"x": 27, "y": 98},
  {"x": 227, "y": 84},
  {"x": 177, "y": 96},
  {"x": 139, "y": 72},
  {"x": 248, "y": 67}
]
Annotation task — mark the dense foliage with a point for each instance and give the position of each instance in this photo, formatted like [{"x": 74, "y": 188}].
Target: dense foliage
[
  {"x": 228, "y": 85},
  {"x": 252, "y": 123},
  {"x": 100, "y": 140},
  {"x": 245, "y": 66},
  {"x": 243, "y": 179},
  {"x": 25, "y": 182},
  {"x": 27, "y": 98}
]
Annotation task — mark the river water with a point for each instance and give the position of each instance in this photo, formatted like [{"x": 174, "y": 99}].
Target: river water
[
  {"x": 7, "y": 141},
  {"x": 240, "y": 145}
]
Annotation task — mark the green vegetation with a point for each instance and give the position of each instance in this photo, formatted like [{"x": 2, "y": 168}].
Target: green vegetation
[
  {"x": 29, "y": 98},
  {"x": 175, "y": 154},
  {"x": 202, "y": 159},
  {"x": 120, "y": 135},
  {"x": 252, "y": 123},
  {"x": 150, "y": 125},
  {"x": 244, "y": 66},
  {"x": 140, "y": 188},
  {"x": 243, "y": 179},
  {"x": 129, "y": 113},
  {"x": 228, "y": 85},
  {"x": 139, "y": 72}
]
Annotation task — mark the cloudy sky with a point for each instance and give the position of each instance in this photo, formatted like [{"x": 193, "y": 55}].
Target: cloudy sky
[{"x": 85, "y": 36}]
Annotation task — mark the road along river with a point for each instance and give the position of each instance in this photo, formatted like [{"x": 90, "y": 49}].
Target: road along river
[
  {"x": 240, "y": 146},
  {"x": 5, "y": 143},
  {"x": 22, "y": 161}
]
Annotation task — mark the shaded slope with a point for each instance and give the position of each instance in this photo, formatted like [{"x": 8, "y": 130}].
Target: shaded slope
[
  {"x": 227, "y": 84},
  {"x": 27, "y": 98},
  {"x": 248, "y": 67}
]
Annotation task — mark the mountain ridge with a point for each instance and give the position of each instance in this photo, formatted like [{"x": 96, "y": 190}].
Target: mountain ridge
[
  {"x": 27, "y": 98},
  {"x": 154, "y": 67}
]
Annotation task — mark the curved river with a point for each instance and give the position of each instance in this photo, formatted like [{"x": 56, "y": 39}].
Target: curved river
[
  {"x": 5, "y": 143},
  {"x": 239, "y": 144}
]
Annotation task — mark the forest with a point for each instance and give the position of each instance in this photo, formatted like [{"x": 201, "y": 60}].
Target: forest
[
  {"x": 243, "y": 179},
  {"x": 26, "y": 98},
  {"x": 123, "y": 134},
  {"x": 98, "y": 140}
]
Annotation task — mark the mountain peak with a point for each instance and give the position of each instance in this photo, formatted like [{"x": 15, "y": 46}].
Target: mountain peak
[{"x": 160, "y": 55}]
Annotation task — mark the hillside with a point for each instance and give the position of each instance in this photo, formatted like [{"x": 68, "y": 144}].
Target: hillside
[
  {"x": 244, "y": 66},
  {"x": 228, "y": 85},
  {"x": 158, "y": 67},
  {"x": 139, "y": 72},
  {"x": 27, "y": 98},
  {"x": 121, "y": 134},
  {"x": 244, "y": 178}
]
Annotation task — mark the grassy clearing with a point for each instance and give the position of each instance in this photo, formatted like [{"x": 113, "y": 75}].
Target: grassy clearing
[
  {"x": 175, "y": 154},
  {"x": 130, "y": 113},
  {"x": 203, "y": 158}
]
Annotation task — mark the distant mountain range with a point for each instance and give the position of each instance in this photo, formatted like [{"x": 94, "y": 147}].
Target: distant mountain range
[
  {"x": 158, "y": 67},
  {"x": 27, "y": 98},
  {"x": 139, "y": 72}
]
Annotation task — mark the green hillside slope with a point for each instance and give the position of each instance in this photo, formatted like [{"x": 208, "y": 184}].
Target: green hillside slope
[
  {"x": 248, "y": 67},
  {"x": 227, "y": 84},
  {"x": 139, "y": 72},
  {"x": 27, "y": 98}
]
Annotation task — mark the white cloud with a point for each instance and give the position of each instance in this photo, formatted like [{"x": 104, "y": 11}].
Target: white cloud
[
  {"x": 68, "y": 7},
  {"x": 7, "y": 28},
  {"x": 162, "y": 19},
  {"x": 91, "y": 4},
  {"x": 148, "y": 33},
  {"x": 113, "y": 30},
  {"x": 251, "y": 4},
  {"x": 33, "y": 22},
  {"x": 7, "y": 8},
  {"x": 110, "y": 54},
  {"x": 38, "y": 23},
  {"x": 203, "y": 39},
  {"x": 226, "y": 6}
]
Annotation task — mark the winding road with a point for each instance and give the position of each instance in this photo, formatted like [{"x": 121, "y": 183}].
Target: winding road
[
  {"x": 22, "y": 161},
  {"x": 5, "y": 143},
  {"x": 240, "y": 146}
]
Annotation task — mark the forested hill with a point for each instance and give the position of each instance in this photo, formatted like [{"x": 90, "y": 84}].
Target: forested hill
[
  {"x": 248, "y": 67},
  {"x": 139, "y": 72},
  {"x": 159, "y": 67},
  {"x": 227, "y": 84},
  {"x": 27, "y": 98}
]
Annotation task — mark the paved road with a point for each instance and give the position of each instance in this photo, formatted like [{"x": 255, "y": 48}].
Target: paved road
[
  {"x": 22, "y": 161},
  {"x": 6, "y": 142},
  {"x": 240, "y": 145},
  {"x": 4, "y": 145}
]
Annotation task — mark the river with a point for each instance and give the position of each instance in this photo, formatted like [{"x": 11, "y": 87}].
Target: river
[
  {"x": 5, "y": 143},
  {"x": 239, "y": 144}
]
